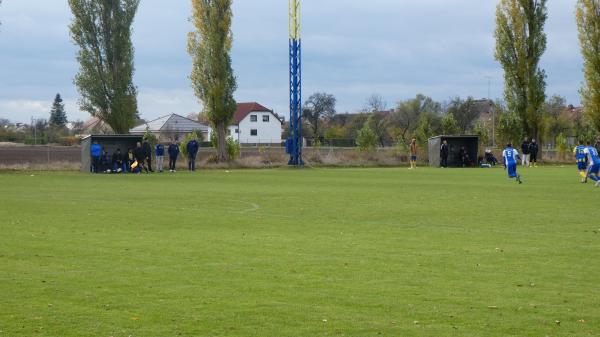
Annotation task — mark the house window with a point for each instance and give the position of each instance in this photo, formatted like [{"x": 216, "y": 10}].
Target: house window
[
  {"x": 237, "y": 130},
  {"x": 265, "y": 118},
  {"x": 253, "y": 132},
  {"x": 253, "y": 118}
]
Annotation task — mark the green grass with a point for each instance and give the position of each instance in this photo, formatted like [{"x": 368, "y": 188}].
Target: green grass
[{"x": 314, "y": 252}]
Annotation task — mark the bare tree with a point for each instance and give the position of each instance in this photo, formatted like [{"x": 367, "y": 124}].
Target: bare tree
[
  {"x": 318, "y": 106},
  {"x": 375, "y": 103}
]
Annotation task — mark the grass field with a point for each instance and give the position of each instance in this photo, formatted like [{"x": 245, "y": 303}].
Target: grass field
[{"x": 314, "y": 252}]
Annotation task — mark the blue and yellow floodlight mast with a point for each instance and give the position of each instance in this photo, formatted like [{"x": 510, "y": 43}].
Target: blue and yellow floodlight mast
[{"x": 294, "y": 144}]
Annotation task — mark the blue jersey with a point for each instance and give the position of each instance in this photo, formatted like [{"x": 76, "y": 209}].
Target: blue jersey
[
  {"x": 510, "y": 156},
  {"x": 96, "y": 150},
  {"x": 159, "y": 150},
  {"x": 592, "y": 155},
  {"x": 580, "y": 155}
]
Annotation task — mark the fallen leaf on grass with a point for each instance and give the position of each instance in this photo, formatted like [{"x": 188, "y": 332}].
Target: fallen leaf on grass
[
  {"x": 581, "y": 321},
  {"x": 135, "y": 318}
]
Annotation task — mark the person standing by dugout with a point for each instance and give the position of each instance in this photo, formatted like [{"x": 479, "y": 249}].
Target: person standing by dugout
[
  {"x": 533, "y": 152},
  {"x": 173, "y": 154},
  {"x": 140, "y": 157},
  {"x": 444, "y": 154},
  {"x": 526, "y": 154},
  {"x": 192, "y": 150},
  {"x": 159, "y": 152},
  {"x": 96, "y": 151},
  {"x": 147, "y": 154}
]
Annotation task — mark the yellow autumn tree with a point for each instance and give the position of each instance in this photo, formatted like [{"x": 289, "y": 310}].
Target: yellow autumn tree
[
  {"x": 588, "y": 22},
  {"x": 212, "y": 75}
]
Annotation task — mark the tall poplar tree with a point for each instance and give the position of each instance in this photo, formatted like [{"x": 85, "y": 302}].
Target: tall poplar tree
[
  {"x": 588, "y": 22},
  {"x": 212, "y": 75},
  {"x": 520, "y": 44},
  {"x": 102, "y": 30}
]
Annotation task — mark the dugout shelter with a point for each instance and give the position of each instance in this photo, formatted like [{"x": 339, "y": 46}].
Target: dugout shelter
[
  {"x": 110, "y": 143},
  {"x": 455, "y": 143}
]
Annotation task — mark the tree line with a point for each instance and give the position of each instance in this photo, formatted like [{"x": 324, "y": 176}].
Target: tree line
[{"x": 422, "y": 117}]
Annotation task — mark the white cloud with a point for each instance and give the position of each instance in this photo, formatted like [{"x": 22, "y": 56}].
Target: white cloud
[
  {"x": 23, "y": 110},
  {"x": 397, "y": 48}
]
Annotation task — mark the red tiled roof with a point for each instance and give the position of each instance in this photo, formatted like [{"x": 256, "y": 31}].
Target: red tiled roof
[{"x": 244, "y": 109}]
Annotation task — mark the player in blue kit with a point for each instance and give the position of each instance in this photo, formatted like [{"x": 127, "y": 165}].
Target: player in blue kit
[
  {"x": 593, "y": 164},
  {"x": 511, "y": 157},
  {"x": 581, "y": 159}
]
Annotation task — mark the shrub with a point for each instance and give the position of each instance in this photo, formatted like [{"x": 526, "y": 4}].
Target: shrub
[
  {"x": 233, "y": 146},
  {"x": 188, "y": 138},
  {"x": 366, "y": 138}
]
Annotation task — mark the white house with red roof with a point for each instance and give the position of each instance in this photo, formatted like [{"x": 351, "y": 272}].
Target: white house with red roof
[{"x": 256, "y": 124}]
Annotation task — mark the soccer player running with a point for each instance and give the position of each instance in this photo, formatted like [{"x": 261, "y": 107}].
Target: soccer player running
[
  {"x": 511, "y": 157},
  {"x": 594, "y": 163},
  {"x": 581, "y": 159}
]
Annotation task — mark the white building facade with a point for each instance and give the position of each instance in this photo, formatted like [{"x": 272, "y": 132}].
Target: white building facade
[{"x": 256, "y": 124}]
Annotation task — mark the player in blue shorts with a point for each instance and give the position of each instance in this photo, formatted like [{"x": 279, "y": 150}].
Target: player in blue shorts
[
  {"x": 511, "y": 157},
  {"x": 581, "y": 159},
  {"x": 593, "y": 164}
]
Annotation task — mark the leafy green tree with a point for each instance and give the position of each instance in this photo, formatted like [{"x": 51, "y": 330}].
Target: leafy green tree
[
  {"x": 366, "y": 138},
  {"x": 405, "y": 118},
  {"x": 379, "y": 122},
  {"x": 561, "y": 145},
  {"x": 449, "y": 125},
  {"x": 150, "y": 137},
  {"x": 482, "y": 131},
  {"x": 465, "y": 113},
  {"x": 212, "y": 74},
  {"x": 102, "y": 30},
  {"x": 555, "y": 105},
  {"x": 520, "y": 44},
  {"x": 510, "y": 128},
  {"x": 588, "y": 23},
  {"x": 556, "y": 119},
  {"x": 58, "y": 116},
  {"x": 430, "y": 124},
  {"x": 319, "y": 106}
]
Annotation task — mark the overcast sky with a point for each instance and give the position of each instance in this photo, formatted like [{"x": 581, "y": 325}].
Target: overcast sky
[{"x": 352, "y": 49}]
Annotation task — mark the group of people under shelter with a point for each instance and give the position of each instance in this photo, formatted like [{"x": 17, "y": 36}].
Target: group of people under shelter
[
  {"x": 139, "y": 159},
  {"x": 463, "y": 157}
]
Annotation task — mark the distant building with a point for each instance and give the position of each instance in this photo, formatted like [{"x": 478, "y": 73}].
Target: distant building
[
  {"x": 95, "y": 126},
  {"x": 256, "y": 124},
  {"x": 173, "y": 127},
  {"x": 485, "y": 107}
]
